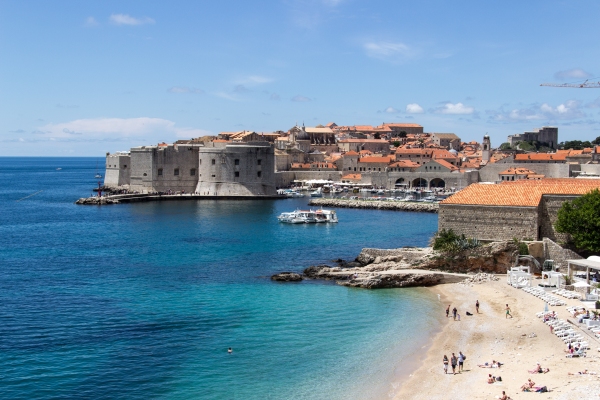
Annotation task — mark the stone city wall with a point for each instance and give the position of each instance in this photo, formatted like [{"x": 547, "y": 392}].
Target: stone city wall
[
  {"x": 548, "y": 214},
  {"x": 490, "y": 172},
  {"x": 175, "y": 168},
  {"x": 118, "y": 169},
  {"x": 141, "y": 169},
  {"x": 560, "y": 256},
  {"x": 489, "y": 222},
  {"x": 244, "y": 169}
]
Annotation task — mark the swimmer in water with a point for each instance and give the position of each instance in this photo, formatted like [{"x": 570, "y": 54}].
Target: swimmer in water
[{"x": 230, "y": 350}]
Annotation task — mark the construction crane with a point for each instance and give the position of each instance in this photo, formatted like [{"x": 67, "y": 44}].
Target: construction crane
[{"x": 584, "y": 85}]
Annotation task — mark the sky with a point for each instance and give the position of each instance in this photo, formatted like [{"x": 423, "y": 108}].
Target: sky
[{"x": 82, "y": 78}]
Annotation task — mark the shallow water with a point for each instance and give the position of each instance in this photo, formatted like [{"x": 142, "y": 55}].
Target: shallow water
[{"x": 143, "y": 300}]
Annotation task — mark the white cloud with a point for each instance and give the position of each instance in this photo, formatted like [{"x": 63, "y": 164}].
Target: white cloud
[
  {"x": 569, "y": 110},
  {"x": 227, "y": 96},
  {"x": 185, "y": 89},
  {"x": 414, "y": 108},
  {"x": 458, "y": 108},
  {"x": 124, "y": 19},
  {"x": 387, "y": 50},
  {"x": 300, "y": 98},
  {"x": 90, "y": 22},
  {"x": 391, "y": 110},
  {"x": 575, "y": 73},
  {"x": 115, "y": 129}
]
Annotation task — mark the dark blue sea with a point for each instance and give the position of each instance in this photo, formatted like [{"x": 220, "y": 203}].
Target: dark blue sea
[{"x": 141, "y": 301}]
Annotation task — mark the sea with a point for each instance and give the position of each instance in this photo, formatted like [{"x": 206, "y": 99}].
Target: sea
[{"x": 142, "y": 301}]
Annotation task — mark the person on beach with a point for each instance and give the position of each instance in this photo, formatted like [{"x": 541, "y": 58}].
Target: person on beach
[
  {"x": 454, "y": 311},
  {"x": 461, "y": 361},
  {"x": 504, "y": 396},
  {"x": 458, "y": 316},
  {"x": 528, "y": 385},
  {"x": 491, "y": 379},
  {"x": 448, "y": 311},
  {"x": 453, "y": 361},
  {"x": 508, "y": 312},
  {"x": 445, "y": 364},
  {"x": 477, "y": 306}
]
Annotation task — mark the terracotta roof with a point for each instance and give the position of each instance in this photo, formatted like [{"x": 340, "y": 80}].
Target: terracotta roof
[
  {"x": 521, "y": 193},
  {"x": 517, "y": 171},
  {"x": 541, "y": 157},
  {"x": 402, "y": 125},
  {"x": 352, "y": 176},
  {"x": 318, "y": 130},
  {"x": 363, "y": 141},
  {"x": 351, "y": 153},
  {"x": 384, "y": 160},
  {"x": 363, "y": 127},
  {"x": 405, "y": 164},
  {"x": 446, "y": 164}
]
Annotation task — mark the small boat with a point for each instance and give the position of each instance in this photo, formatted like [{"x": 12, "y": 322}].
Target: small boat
[
  {"x": 430, "y": 199},
  {"x": 308, "y": 216},
  {"x": 380, "y": 192},
  {"x": 317, "y": 193},
  {"x": 326, "y": 215},
  {"x": 98, "y": 176},
  {"x": 58, "y": 169},
  {"x": 293, "y": 193}
]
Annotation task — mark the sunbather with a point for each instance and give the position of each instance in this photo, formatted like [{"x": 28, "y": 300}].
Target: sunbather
[
  {"x": 584, "y": 372},
  {"x": 491, "y": 379},
  {"x": 539, "y": 370},
  {"x": 494, "y": 364},
  {"x": 528, "y": 385}
]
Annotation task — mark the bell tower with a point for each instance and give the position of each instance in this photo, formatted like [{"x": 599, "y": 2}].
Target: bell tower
[{"x": 486, "y": 149}]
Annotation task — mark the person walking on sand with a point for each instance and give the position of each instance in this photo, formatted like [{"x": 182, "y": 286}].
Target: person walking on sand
[
  {"x": 445, "y": 364},
  {"x": 461, "y": 361},
  {"x": 448, "y": 311},
  {"x": 477, "y": 306},
  {"x": 508, "y": 312},
  {"x": 454, "y": 311},
  {"x": 453, "y": 361}
]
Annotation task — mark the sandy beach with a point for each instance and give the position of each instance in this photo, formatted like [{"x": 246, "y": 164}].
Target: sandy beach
[{"x": 491, "y": 336}]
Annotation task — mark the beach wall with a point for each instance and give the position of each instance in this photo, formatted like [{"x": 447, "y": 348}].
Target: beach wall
[
  {"x": 548, "y": 214},
  {"x": 490, "y": 223},
  {"x": 555, "y": 252}
]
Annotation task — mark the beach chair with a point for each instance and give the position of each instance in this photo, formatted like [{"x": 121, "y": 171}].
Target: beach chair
[{"x": 580, "y": 353}]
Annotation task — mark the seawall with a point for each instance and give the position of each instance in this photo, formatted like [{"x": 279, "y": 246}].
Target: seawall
[
  {"x": 377, "y": 205},
  {"x": 138, "y": 198}
]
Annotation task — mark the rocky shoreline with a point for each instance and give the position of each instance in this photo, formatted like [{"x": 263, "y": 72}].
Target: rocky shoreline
[
  {"x": 377, "y": 205},
  {"x": 411, "y": 266}
]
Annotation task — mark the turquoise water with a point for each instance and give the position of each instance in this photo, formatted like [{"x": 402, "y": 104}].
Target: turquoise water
[{"x": 143, "y": 300}]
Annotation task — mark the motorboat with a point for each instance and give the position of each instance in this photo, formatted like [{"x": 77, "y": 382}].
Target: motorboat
[
  {"x": 308, "y": 216},
  {"x": 293, "y": 193},
  {"x": 326, "y": 215},
  {"x": 317, "y": 193},
  {"x": 430, "y": 199}
]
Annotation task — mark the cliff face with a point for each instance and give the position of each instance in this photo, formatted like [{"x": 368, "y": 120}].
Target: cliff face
[{"x": 496, "y": 257}]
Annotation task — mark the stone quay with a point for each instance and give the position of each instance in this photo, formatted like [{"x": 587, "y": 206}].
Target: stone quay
[{"x": 377, "y": 205}]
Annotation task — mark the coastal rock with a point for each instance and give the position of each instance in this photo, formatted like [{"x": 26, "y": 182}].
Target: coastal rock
[
  {"x": 96, "y": 201},
  {"x": 397, "y": 280},
  {"x": 287, "y": 277},
  {"x": 316, "y": 271}
]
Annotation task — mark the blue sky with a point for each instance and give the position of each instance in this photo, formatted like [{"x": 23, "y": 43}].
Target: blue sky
[{"x": 87, "y": 77}]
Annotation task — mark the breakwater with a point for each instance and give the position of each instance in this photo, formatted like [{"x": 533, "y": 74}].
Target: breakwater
[{"x": 377, "y": 204}]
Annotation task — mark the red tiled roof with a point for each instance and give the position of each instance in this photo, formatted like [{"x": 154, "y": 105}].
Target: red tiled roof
[
  {"x": 446, "y": 164},
  {"x": 541, "y": 157},
  {"x": 381, "y": 160},
  {"x": 517, "y": 171},
  {"x": 351, "y": 153},
  {"x": 352, "y": 176},
  {"x": 521, "y": 193}
]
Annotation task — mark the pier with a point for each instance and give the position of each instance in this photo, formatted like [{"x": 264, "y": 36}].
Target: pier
[
  {"x": 377, "y": 204},
  {"x": 146, "y": 197}
]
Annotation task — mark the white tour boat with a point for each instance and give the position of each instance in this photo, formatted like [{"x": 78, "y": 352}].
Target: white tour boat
[{"x": 308, "y": 216}]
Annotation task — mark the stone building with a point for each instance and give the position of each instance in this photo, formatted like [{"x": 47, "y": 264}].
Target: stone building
[
  {"x": 547, "y": 135},
  {"x": 373, "y": 145},
  {"x": 217, "y": 168},
  {"x": 525, "y": 209},
  {"x": 446, "y": 140}
]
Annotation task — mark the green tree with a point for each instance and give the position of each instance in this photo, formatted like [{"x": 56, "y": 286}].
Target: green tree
[
  {"x": 505, "y": 146},
  {"x": 580, "y": 218},
  {"x": 596, "y": 141},
  {"x": 396, "y": 143},
  {"x": 403, "y": 134}
]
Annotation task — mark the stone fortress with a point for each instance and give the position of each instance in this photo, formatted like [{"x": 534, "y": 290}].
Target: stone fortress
[
  {"x": 211, "y": 168},
  {"x": 391, "y": 155}
]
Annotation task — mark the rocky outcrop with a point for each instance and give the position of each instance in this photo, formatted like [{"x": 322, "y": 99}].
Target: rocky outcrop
[
  {"x": 96, "y": 201},
  {"x": 377, "y": 204},
  {"x": 399, "y": 280},
  {"x": 287, "y": 277}
]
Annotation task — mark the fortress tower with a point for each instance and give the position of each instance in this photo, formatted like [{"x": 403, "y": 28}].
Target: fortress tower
[{"x": 486, "y": 149}]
